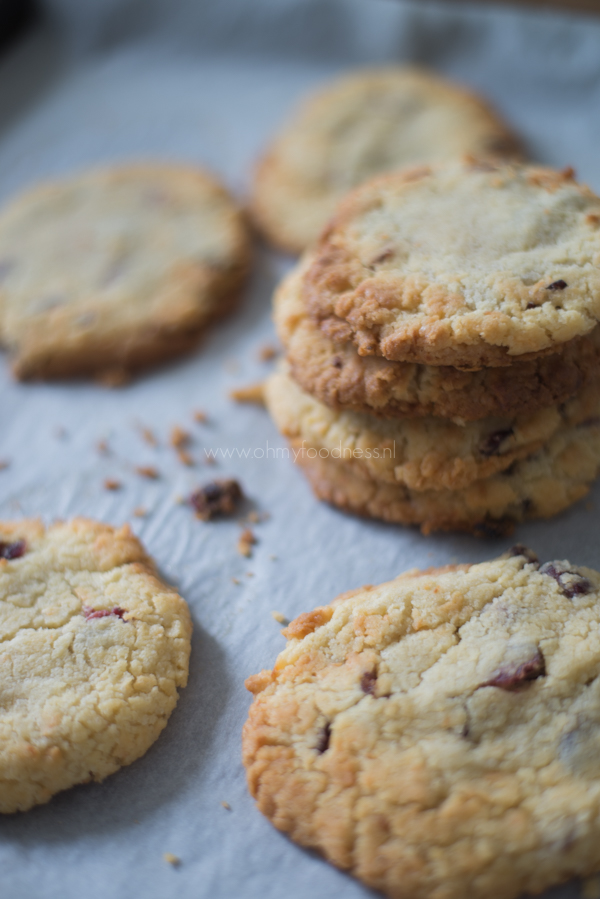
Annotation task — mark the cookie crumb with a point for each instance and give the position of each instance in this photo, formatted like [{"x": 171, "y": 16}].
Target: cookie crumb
[
  {"x": 4, "y": 463},
  {"x": 149, "y": 437},
  {"x": 103, "y": 447},
  {"x": 179, "y": 438},
  {"x": 280, "y": 617},
  {"x": 140, "y": 512},
  {"x": 273, "y": 558},
  {"x": 246, "y": 542},
  {"x": 249, "y": 574},
  {"x": 200, "y": 417},
  {"x": 226, "y": 805},
  {"x": 236, "y": 581},
  {"x": 112, "y": 484},
  {"x": 185, "y": 458},
  {"x": 590, "y": 888},
  {"x": 172, "y": 859},
  {"x": 148, "y": 471},
  {"x": 253, "y": 393},
  {"x": 267, "y": 352},
  {"x": 216, "y": 498}
]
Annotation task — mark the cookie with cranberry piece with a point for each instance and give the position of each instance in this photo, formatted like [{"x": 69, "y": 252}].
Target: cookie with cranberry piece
[
  {"x": 439, "y": 735},
  {"x": 364, "y": 123},
  {"x": 465, "y": 264},
  {"x": 94, "y": 647},
  {"x": 338, "y": 376},
  {"x": 420, "y": 453},
  {"x": 111, "y": 271}
]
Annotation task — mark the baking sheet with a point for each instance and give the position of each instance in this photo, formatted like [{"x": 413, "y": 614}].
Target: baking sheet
[{"x": 203, "y": 82}]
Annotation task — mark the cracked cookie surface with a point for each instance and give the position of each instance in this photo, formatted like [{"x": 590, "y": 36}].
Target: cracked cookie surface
[
  {"x": 365, "y": 123},
  {"x": 421, "y": 453},
  {"x": 116, "y": 269},
  {"x": 93, "y": 648},
  {"x": 467, "y": 264},
  {"x": 338, "y": 376},
  {"x": 439, "y": 735}
]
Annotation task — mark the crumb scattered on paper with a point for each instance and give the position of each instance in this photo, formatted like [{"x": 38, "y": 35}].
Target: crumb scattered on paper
[
  {"x": 280, "y": 617},
  {"x": 179, "y": 438},
  {"x": 112, "y": 484},
  {"x": 103, "y": 447},
  {"x": 200, "y": 417},
  {"x": 217, "y": 498},
  {"x": 246, "y": 542},
  {"x": 172, "y": 859},
  {"x": 4, "y": 463},
  {"x": 226, "y": 805},
  {"x": 267, "y": 352},
  {"x": 252, "y": 393},
  {"x": 140, "y": 512},
  {"x": 149, "y": 437},
  {"x": 236, "y": 581},
  {"x": 148, "y": 471}
]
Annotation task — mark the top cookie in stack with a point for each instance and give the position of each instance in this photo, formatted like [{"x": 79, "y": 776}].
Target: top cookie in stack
[{"x": 467, "y": 292}]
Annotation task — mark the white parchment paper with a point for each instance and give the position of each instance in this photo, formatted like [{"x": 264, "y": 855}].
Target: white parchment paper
[{"x": 207, "y": 83}]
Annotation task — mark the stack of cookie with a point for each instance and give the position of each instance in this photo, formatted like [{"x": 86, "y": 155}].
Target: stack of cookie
[{"x": 443, "y": 349}]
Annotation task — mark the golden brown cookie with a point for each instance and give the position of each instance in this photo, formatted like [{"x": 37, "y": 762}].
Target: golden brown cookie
[
  {"x": 94, "y": 647},
  {"x": 439, "y": 735},
  {"x": 365, "y": 123},
  {"x": 338, "y": 376},
  {"x": 464, "y": 264},
  {"x": 114, "y": 270}
]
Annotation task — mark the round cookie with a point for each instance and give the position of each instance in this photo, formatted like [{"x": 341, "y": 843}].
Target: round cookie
[
  {"x": 539, "y": 486},
  {"x": 421, "y": 453},
  {"x": 94, "y": 649},
  {"x": 114, "y": 270},
  {"x": 338, "y": 376},
  {"x": 467, "y": 264},
  {"x": 439, "y": 735},
  {"x": 365, "y": 123}
]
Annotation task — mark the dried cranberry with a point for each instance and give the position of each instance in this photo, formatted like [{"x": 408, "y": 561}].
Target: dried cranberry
[
  {"x": 570, "y": 582},
  {"x": 216, "y": 498},
  {"x": 513, "y": 676},
  {"x": 323, "y": 741},
  {"x": 368, "y": 682},
  {"x": 337, "y": 362},
  {"x": 557, "y": 285},
  {"x": 12, "y": 550},
  {"x": 493, "y": 441},
  {"x": 90, "y": 613},
  {"x": 519, "y": 549}
]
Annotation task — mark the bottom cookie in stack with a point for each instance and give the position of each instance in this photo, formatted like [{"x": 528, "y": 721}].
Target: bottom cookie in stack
[{"x": 482, "y": 477}]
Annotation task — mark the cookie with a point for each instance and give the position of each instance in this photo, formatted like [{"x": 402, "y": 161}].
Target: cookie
[
  {"x": 115, "y": 270},
  {"x": 421, "y": 453},
  {"x": 540, "y": 486},
  {"x": 94, "y": 649},
  {"x": 439, "y": 735},
  {"x": 466, "y": 264},
  {"x": 365, "y": 123},
  {"x": 338, "y": 376}
]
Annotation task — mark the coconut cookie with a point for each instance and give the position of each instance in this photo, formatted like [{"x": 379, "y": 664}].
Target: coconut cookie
[
  {"x": 363, "y": 124},
  {"x": 114, "y": 270},
  {"x": 439, "y": 735},
  {"x": 94, "y": 647},
  {"x": 467, "y": 264},
  {"x": 338, "y": 376},
  {"x": 422, "y": 453}
]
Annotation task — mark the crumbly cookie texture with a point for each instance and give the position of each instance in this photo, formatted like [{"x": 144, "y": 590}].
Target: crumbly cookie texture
[
  {"x": 421, "y": 453},
  {"x": 338, "y": 376},
  {"x": 469, "y": 264},
  {"x": 94, "y": 649},
  {"x": 439, "y": 735},
  {"x": 365, "y": 123},
  {"x": 114, "y": 270},
  {"x": 540, "y": 486}
]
